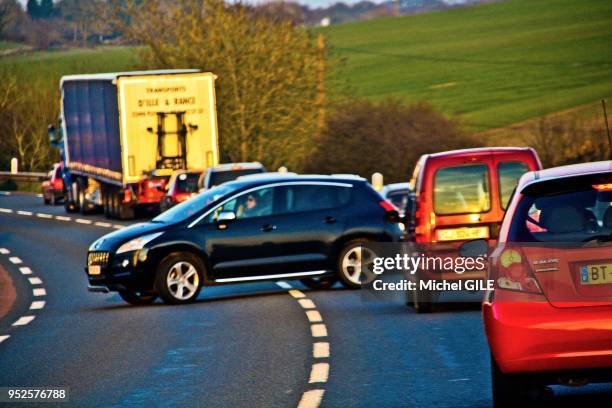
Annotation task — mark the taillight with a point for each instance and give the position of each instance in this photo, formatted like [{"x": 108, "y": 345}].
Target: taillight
[
  {"x": 603, "y": 187},
  {"x": 127, "y": 196},
  {"x": 392, "y": 213},
  {"x": 58, "y": 184},
  {"x": 180, "y": 197},
  {"x": 514, "y": 273}
]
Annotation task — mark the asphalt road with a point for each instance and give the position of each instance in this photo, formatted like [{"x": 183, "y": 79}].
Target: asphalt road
[{"x": 240, "y": 345}]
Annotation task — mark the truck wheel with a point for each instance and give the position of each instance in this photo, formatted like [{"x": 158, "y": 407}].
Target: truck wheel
[
  {"x": 125, "y": 212},
  {"x": 106, "y": 204},
  {"x": 70, "y": 198},
  {"x": 84, "y": 205},
  {"x": 179, "y": 277},
  {"x": 137, "y": 298}
]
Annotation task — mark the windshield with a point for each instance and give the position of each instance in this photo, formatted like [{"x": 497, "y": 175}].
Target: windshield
[
  {"x": 188, "y": 208},
  {"x": 220, "y": 177},
  {"x": 581, "y": 213}
]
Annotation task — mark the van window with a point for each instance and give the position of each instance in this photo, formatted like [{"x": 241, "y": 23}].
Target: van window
[
  {"x": 509, "y": 174},
  {"x": 462, "y": 189}
]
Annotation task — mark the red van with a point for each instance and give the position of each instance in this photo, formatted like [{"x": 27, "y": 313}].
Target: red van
[{"x": 462, "y": 195}]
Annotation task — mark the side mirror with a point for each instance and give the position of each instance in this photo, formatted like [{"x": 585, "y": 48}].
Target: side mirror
[
  {"x": 474, "y": 249},
  {"x": 226, "y": 216}
]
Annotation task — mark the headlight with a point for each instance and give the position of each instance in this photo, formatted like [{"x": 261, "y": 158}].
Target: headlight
[{"x": 138, "y": 243}]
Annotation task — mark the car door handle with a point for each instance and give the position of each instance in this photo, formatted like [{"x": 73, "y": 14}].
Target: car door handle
[
  {"x": 268, "y": 228},
  {"x": 330, "y": 220}
]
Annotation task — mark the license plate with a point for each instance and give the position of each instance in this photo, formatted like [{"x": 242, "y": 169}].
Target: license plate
[
  {"x": 596, "y": 274},
  {"x": 462, "y": 234},
  {"x": 94, "y": 270}
]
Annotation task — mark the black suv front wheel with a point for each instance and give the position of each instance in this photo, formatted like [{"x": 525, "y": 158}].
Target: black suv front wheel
[{"x": 179, "y": 276}]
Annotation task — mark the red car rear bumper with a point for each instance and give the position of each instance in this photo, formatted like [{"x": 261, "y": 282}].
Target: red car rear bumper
[{"x": 533, "y": 336}]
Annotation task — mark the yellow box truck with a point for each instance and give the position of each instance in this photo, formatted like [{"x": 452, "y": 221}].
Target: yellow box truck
[{"x": 123, "y": 134}]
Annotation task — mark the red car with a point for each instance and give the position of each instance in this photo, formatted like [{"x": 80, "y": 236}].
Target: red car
[
  {"x": 461, "y": 195},
  {"x": 548, "y": 319},
  {"x": 53, "y": 187},
  {"x": 183, "y": 185}
]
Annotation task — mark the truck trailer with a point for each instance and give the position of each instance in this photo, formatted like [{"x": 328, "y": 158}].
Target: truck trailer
[{"x": 123, "y": 134}]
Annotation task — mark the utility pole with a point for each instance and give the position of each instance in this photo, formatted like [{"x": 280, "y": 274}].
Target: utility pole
[
  {"x": 603, "y": 104},
  {"x": 321, "y": 84}
]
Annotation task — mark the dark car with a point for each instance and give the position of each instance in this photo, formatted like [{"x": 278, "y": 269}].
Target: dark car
[
  {"x": 217, "y": 175},
  {"x": 310, "y": 228},
  {"x": 181, "y": 187}
]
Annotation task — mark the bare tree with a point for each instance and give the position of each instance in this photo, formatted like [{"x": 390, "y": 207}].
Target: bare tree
[{"x": 267, "y": 71}]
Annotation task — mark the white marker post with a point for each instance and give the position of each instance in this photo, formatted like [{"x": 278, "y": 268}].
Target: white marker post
[{"x": 14, "y": 165}]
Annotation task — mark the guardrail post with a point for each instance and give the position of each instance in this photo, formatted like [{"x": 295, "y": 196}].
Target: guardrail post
[{"x": 14, "y": 165}]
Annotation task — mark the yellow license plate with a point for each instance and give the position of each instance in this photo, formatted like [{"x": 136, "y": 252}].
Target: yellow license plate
[
  {"x": 462, "y": 234},
  {"x": 94, "y": 270},
  {"x": 596, "y": 274}
]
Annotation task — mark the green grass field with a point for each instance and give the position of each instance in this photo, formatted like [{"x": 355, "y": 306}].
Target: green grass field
[
  {"x": 5, "y": 45},
  {"x": 490, "y": 65},
  {"x": 51, "y": 65}
]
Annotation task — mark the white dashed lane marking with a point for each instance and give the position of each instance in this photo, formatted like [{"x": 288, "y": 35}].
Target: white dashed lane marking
[
  {"x": 4, "y": 251},
  {"x": 15, "y": 260},
  {"x": 25, "y": 270},
  {"x": 320, "y": 350},
  {"x": 23, "y": 320},
  {"x": 318, "y": 330},
  {"x": 83, "y": 221},
  {"x": 35, "y": 281},
  {"x": 319, "y": 372},
  {"x": 24, "y": 212},
  {"x": 311, "y": 399},
  {"x": 306, "y": 303},
  {"x": 41, "y": 215},
  {"x": 39, "y": 292},
  {"x": 314, "y": 316},
  {"x": 6, "y": 210},
  {"x": 37, "y": 304},
  {"x": 2, "y": 338},
  {"x": 63, "y": 218},
  {"x": 103, "y": 224},
  {"x": 77, "y": 220}
]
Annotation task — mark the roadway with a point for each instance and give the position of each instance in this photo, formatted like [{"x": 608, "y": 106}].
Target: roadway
[{"x": 240, "y": 345}]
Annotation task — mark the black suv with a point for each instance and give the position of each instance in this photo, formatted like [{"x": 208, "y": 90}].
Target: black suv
[{"x": 264, "y": 227}]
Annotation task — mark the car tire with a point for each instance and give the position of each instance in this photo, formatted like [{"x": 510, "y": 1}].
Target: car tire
[
  {"x": 508, "y": 390},
  {"x": 320, "y": 283},
  {"x": 46, "y": 200},
  {"x": 179, "y": 277},
  {"x": 348, "y": 266},
  {"x": 84, "y": 205},
  {"x": 138, "y": 298}
]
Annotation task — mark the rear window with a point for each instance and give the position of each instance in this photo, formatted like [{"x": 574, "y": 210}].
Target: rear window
[
  {"x": 575, "y": 213},
  {"x": 220, "y": 177},
  {"x": 187, "y": 182},
  {"x": 462, "y": 189},
  {"x": 509, "y": 174}
]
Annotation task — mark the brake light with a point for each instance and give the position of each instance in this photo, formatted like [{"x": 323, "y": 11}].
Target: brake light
[
  {"x": 514, "y": 273},
  {"x": 603, "y": 187},
  {"x": 58, "y": 184},
  {"x": 127, "y": 196},
  {"x": 391, "y": 210}
]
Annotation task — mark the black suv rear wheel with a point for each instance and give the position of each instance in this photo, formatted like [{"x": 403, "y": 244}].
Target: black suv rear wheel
[
  {"x": 137, "y": 298},
  {"x": 354, "y": 264}
]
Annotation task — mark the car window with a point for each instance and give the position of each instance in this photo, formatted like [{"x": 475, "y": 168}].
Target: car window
[
  {"x": 220, "y": 177},
  {"x": 258, "y": 203},
  {"x": 187, "y": 182},
  {"x": 569, "y": 216},
  {"x": 398, "y": 198},
  {"x": 302, "y": 198},
  {"x": 462, "y": 189},
  {"x": 509, "y": 174}
]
